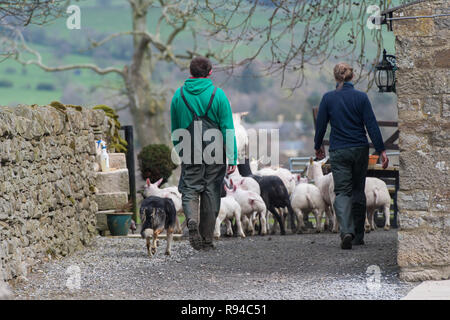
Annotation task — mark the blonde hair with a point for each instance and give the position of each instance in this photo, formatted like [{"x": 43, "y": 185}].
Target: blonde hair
[{"x": 343, "y": 72}]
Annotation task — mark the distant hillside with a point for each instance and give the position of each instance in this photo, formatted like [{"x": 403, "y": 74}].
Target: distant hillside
[{"x": 58, "y": 45}]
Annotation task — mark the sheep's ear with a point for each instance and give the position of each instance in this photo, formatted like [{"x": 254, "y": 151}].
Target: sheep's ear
[
  {"x": 147, "y": 182},
  {"x": 299, "y": 178},
  {"x": 234, "y": 188},
  {"x": 158, "y": 183},
  {"x": 243, "y": 114},
  {"x": 231, "y": 182},
  {"x": 323, "y": 164},
  {"x": 311, "y": 160}
]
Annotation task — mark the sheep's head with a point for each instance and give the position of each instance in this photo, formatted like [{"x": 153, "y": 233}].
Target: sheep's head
[
  {"x": 314, "y": 166},
  {"x": 151, "y": 188},
  {"x": 254, "y": 165}
]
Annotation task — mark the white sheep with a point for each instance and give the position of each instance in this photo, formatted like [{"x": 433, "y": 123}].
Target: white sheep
[
  {"x": 240, "y": 134},
  {"x": 229, "y": 209},
  {"x": 376, "y": 191},
  {"x": 152, "y": 189},
  {"x": 306, "y": 198},
  {"x": 285, "y": 175},
  {"x": 326, "y": 186},
  {"x": 377, "y": 197},
  {"x": 250, "y": 202}
]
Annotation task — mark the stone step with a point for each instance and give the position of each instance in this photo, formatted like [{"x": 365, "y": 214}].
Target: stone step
[
  {"x": 111, "y": 201},
  {"x": 113, "y": 181},
  {"x": 117, "y": 160}
]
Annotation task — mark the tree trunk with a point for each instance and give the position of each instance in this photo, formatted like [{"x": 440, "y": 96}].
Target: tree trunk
[{"x": 148, "y": 113}]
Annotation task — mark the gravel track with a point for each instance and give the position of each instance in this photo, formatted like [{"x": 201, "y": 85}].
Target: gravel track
[{"x": 307, "y": 266}]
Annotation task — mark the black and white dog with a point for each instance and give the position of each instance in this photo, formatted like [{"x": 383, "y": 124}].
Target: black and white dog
[{"x": 158, "y": 214}]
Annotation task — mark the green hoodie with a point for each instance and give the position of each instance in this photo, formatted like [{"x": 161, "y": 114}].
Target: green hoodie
[{"x": 198, "y": 92}]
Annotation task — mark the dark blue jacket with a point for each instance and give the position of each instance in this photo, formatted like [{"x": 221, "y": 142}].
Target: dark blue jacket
[{"x": 349, "y": 112}]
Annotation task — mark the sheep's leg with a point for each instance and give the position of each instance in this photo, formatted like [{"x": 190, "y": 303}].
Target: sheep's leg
[
  {"x": 317, "y": 214},
  {"x": 254, "y": 220},
  {"x": 251, "y": 225},
  {"x": 277, "y": 216},
  {"x": 328, "y": 218},
  {"x": 274, "y": 227},
  {"x": 183, "y": 225},
  {"x": 245, "y": 223},
  {"x": 217, "y": 227},
  {"x": 237, "y": 216},
  {"x": 300, "y": 221},
  {"x": 229, "y": 227},
  {"x": 335, "y": 220},
  {"x": 177, "y": 225},
  {"x": 387, "y": 217},
  {"x": 372, "y": 221},
  {"x": 169, "y": 241},
  {"x": 262, "y": 216},
  {"x": 366, "y": 223}
]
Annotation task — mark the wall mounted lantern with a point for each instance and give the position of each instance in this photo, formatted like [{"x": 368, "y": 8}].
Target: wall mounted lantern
[{"x": 385, "y": 73}]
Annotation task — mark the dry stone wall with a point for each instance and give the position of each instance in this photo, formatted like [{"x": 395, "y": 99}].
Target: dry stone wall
[
  {"x": 47, "y": 183},
  {"x": 423, "y": 58}
]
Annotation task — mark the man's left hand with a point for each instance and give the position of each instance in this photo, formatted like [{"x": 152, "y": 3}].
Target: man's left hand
[{"x": 320, "y": 153}]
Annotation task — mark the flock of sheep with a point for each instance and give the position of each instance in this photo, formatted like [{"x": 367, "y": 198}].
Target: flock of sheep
[
  {"x": 242, "y": 202},
  {"x": 250, "y": 195}
]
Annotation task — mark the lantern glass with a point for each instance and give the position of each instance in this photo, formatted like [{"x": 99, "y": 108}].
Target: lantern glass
[{"x": 389, "y": 78}]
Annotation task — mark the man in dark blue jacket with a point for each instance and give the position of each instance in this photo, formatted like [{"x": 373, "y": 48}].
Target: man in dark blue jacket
[{"x": 350, "y": 113}]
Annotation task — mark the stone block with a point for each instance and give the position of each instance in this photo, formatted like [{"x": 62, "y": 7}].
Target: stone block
[
  {"x": 111, "y": 201},
  {"x": 424, "y": 247},
  {"x": 117, "y": 161},
  {"x": 442, "y": 58},
  {"x": 414, "y": 200},
  {"x": 412, "y": 220},
  {"x": 422, "y": 81},
  {"x": 96, "y": 118},
  {"x": 421, "y": 170},
  {"x": 113, "y": 181},
  {"x": 410, "y": 140},
  {"x": 424, "y": 273},
  {"x": 446, "y": 106}
]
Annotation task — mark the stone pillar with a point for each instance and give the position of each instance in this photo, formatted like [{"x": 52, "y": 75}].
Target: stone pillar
[{"x": 423, "y": 58}]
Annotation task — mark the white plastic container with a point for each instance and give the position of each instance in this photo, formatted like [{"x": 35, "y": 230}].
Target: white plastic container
[{"x": 104, "y": 159}]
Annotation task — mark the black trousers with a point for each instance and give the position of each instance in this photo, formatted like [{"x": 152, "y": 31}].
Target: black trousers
[
  {"x": 200, "y": 186},
  {"x": 349, "y": 169}
]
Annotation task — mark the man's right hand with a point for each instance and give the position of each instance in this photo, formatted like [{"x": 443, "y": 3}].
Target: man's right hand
[
  {"x": 231, "y": 169},
  {"x": 384, "y": 160}
]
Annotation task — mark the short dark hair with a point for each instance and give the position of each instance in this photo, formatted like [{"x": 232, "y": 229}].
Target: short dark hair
[{"x": 200, "y": 67}]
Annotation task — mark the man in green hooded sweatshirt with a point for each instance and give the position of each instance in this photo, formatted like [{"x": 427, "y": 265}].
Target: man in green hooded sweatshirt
[{"x": 198, "y": 104}]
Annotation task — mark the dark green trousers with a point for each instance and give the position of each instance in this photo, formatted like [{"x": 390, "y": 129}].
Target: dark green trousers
[
  {"x": 349, "y": 169},
  {"x": 202, "y": 182}
]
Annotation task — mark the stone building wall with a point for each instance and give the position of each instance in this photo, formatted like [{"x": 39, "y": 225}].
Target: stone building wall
[
  {"x": 47, "y": 205},
  {"x": 423, "y": 58}
]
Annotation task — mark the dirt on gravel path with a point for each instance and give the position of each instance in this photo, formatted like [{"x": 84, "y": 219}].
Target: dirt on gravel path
[{"x": 307, "y": 266}]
